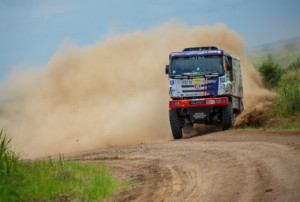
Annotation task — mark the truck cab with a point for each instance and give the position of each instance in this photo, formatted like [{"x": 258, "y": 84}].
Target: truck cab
[{"x": 205, "y": 87}]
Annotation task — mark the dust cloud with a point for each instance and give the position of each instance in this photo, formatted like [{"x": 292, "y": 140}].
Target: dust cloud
[{"x": 111, "y": 93}]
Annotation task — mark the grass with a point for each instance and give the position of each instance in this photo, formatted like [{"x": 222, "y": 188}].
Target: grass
[
  {"x": 288, "y": 102},
  {"x": 8, "y": 159},
  {"x": 60, "y": 180},
  {"x": 285, "y": 81},
  {"x": 274, "y": 124},
  {"x": 288, "y": 126},
  {"x": 280, "y": 57},
  {"x": 53, "y": 180},
  {"x": 294, "y": 65}
]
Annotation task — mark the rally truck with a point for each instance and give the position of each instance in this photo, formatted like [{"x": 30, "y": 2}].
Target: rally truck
[{"x": 205, "y": 87}]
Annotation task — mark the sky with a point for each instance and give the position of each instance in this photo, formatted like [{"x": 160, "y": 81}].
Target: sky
[{"x": 32, "y": 30}]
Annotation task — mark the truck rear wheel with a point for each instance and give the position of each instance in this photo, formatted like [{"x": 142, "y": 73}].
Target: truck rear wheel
[
  {"x": 227, "y": 116},
  {"x": 175, "y": 123}
]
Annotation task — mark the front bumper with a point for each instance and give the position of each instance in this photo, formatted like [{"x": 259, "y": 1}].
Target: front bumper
[{"x": 201, "y": 102}]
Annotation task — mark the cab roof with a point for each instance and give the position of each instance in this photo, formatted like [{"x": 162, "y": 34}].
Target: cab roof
[
  {"x": 196, "y": 53},
  {"x": 204, "y": 50}
]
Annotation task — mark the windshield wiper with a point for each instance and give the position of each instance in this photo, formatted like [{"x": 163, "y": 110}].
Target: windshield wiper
[
  {"x": 181, "y": 76},
  {"x": 213, "y": 73},
  {"x": 190, "y": 74}
]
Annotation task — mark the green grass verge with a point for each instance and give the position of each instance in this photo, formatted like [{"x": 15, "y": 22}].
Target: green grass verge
[
  {"x": 54, "y": 180},
  {"x": 275, "y": 124},
  {"x": 289, "y": 126},
  {"x": 288, "y": 102},
  {"x": 285, "y": 81},
  {"x": 283, "y": 127}
]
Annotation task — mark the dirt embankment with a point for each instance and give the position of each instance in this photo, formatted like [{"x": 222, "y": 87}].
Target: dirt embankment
[{"x": 220, "y": 166}]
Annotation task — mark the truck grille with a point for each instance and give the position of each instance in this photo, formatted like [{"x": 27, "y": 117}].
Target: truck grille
[
  {"x": 196, "y": 91},
  {"x": 187, "y": 86},
  {"x": 192, "y": 86},
  {"x": 210, "y": 84},
  {"x": 192, "y": 91}
]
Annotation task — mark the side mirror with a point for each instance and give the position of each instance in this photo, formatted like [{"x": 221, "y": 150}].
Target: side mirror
[{"x": 167, "y": 69}]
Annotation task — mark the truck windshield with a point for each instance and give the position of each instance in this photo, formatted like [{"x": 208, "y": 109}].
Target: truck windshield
[{"x": 194, "y": 65}]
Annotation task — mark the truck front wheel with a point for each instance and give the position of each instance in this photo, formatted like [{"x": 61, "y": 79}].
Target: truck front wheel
[
  {"x": 175, "y": 123},
  {"x": 227, "y": 116}
]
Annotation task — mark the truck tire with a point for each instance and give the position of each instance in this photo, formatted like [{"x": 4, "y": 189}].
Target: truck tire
[
  {"x": 227, "y": 116},
  {"x": 175, "y": 124}
]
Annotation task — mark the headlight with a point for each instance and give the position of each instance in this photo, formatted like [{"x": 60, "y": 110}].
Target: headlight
[
  {"x": 210, "y": 102},
  {"x": 220, "y": 100},
  {"x": 175, "y": 103}
]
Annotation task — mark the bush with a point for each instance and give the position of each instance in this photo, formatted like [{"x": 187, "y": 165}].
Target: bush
[{"x": 271, "y": 73}]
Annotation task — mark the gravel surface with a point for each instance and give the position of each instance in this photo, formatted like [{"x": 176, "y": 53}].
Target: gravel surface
[{"x": 218, "y": 166}]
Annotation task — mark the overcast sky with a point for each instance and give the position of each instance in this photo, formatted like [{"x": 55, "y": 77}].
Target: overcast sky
[{"x": 31, "y": 30}]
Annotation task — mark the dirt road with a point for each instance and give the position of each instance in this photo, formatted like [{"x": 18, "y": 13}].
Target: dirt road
[{"x": 219, "y": 166}]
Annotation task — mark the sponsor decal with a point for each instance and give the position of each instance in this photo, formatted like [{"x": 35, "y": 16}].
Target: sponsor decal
[
  {"x": 178, "y": 82},
  {"x": 211, "y": 81},
  {"x": 197, "y": 99},
  {"x": 197, "y": 80},
  {"x": 185, "y": 82},
  {"x": 222, "y": 80},
  {"x": 189, "y": 53},
  {"x": 197, "y": 102},
  {"x": 197, "y": 85},
  {"x": 171, "y": 82},
  {"x": 199, "y": 115}
]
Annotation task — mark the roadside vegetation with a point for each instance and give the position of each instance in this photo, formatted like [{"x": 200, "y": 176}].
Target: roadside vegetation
[
  {"x": 285, "y": 81},
  {"x": 282, "y": 55},
  {"x": 53, "y": 180}
]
